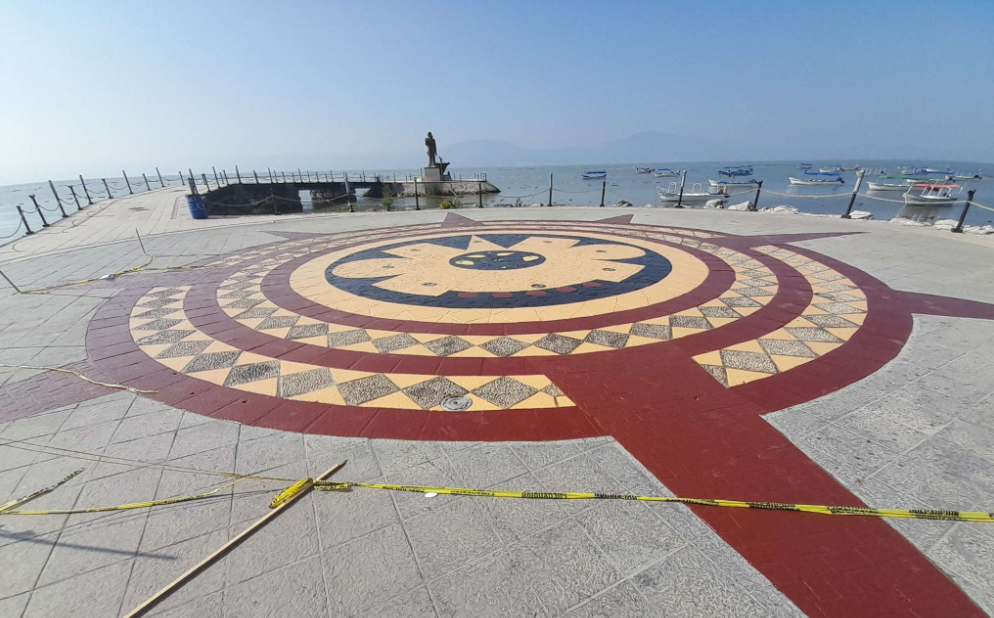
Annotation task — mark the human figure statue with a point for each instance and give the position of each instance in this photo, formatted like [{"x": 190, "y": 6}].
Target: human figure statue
[{"x": 432, "y": 152}]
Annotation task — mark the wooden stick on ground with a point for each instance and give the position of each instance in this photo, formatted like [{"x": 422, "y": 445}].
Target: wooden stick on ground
[{"x": 178, "y": 583}]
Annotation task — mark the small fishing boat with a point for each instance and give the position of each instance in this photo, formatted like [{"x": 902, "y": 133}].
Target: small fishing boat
[
  {"x": 826, "y": 178},
  {"x": 930, "y": 194},
  {"x": 804, "y": 167},
  {"x": 665, "y": 172},
  {"x": 722, "y": 184},
  {"x": 643, "y": 170},
  {"x": 738, "y": 170},
  {"x": 696, "y": 195},
  {"x": 913, "y": 180},
  {"x": 965, "y": 177},
  {"x": 594, "y": 175},
  {"x": 882, "y": 184}
]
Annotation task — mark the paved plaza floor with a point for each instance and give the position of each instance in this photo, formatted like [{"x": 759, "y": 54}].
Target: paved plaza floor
[{"x": 654, "y": 352}]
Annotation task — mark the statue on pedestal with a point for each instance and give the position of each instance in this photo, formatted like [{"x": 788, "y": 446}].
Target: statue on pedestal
[{"x": 432, "y": 151}]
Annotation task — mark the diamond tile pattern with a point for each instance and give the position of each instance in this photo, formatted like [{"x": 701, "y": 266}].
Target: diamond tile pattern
[
  {"x": 821, "y": 327},
  {"x": 207, "y": 359},
  {"x": 754, "y": 287}
]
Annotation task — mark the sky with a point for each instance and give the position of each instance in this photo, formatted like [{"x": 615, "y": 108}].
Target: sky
[{"x": 93, "y": 87}]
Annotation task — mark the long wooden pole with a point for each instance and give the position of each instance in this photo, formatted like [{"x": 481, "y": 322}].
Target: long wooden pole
[{"x": 178, "y": 583}]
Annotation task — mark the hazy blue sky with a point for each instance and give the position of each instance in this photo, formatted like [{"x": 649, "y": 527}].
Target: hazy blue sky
[{"x": 91, "y": 87}]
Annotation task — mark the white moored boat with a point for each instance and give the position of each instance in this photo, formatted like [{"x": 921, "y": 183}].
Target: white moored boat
[
  {"x": 594, "y": 175},
  {"x": 696, "y": 195},
  {"x": 722, "y": 184},
  {"x": 643, "y": 170},
  {"x": 815, "y": 179},
  {"x": 665, "y": 172},
  {"x": 883, "y": 185},
  {"x": 928, "y": 194}
]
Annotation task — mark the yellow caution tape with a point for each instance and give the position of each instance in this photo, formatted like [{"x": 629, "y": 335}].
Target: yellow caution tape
[
  {"x": 37, "y": 494},
  {"x": 774, "y": 506},
  {"x": 288, "y": 494},
  {"x": 80, "y": 376},
  {"x": 114, "y": 275},
  {"x": 122, "y": 507}
]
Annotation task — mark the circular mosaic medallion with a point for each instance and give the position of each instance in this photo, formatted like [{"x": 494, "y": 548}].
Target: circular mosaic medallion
[{"x": 497, "y": 270}]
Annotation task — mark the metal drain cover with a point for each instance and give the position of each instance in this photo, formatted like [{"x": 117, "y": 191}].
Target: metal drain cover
[{"x": 457, "y": 404}]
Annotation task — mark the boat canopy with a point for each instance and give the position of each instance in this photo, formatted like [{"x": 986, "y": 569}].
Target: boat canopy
[
  {"x": 929, "y": 185},
  {"x": 834, "y": 174}
]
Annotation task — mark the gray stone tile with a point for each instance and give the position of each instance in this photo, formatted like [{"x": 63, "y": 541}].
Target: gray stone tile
[
  {"x": 856, "y": 450},
  {"x": 564, "y": 566},
  {"x": 558, "y": 343},
  {"x": 296, "y": 590},
  {"x": 29, "y": 554},
  {"x": 630, "y": 534},
  {"x": 813, "y": 334},
  {"x": 362, "y": 463},
  {"x": 505, "y": 392},
  {"x": 942, "y": 474},
  {"x": 621, "y": 601},
  {"x": 153, "y": 570},
  {"x": 305, "y": 382},
  {"x": 177, "y": 483},
  {"x": 291, "y": 539},
  {"x": 881, "y": 429},
  {"x": 577, "y": 474},
  {"x": 537, "y": 455},
  {"x": 165, "y": 336},
  {"x": 966, "y": 554},
  {"x": 100, "y": 592},
  {"x": 14, "y": 606},
  {"x": 608, "y": 338},
  {"x": 93, "y": 544},
  {"x": 397, "y": 455},
  {"x": 168, "y": 525},
  {"x": 655, "y": 331},
  {"x": 787, "y": 348},
  {"x": 430, "y": 393},
  {"x": 498, "y": 585},
  {"x": 184, "y": 348},
  {"x": 278, "y": 322},
  {"x": 204, "y": 437},
  {"x": 358, "y": 392},
  {"x": 256, "y": 312},
  {"x": 394, "y": 343},
  {"x": 344, "y": 516},
  {"x": 88, "y": 438},
  {"x": 212, "y": 360},
  {"x": 686, "y": 321},
  {"x": 719, "y": 312},
  {"x": 269, "y": 452},
  {"x": 435, "y": 473},
  {"x": 504, "y": 346},
  {"x": 486, "y": 464},
  {"x": 450, "y": 536},
  {"x": 243, "y": 374},
  {"x": 413, "y": 604},
  {"x": 795, "y": 423},
  {"x": 37, "y": 425},
  {"x": 749, "y": 361},
  {"x": 924, "y": 534},
  {"x": 448, "y": 345},
  {"x": 687, "y": 584},
  {"x": 207, "y": 606},
  {"x": 373, "y": 567},
  {"x": 307, "y": 330},
  {"x": 349, "y": 337},
  {"x": 630, "y": 476},
  {"x": 135, "y": 427}
]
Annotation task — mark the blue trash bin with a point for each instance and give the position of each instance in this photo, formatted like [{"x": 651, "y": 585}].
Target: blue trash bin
[{"x": 197, "y": 208}]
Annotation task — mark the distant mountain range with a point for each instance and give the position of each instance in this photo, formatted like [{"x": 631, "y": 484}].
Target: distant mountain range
[{"x": 640, "y": 147}]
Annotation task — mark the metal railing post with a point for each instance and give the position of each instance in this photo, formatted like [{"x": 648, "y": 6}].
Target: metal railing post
[
  {"x": 603, "y": 190},
  {"x": 24, "y": 220},
  {"x": 207, "y": 187},
  {"x": 182, "y": 180},
  {"x": 162, "y": 185},
  {"x": 256, "y": 176},
  {"x": 270, "y": 175},
  {"x": 127, "y": 182},
  {"x": 58, "y": 200},
  {"x": 216, "y": 181},
  {"x": 962, "y": 216},
  {"x": 855, "y": 190},
  {"x": 75, "y": 197},
  {"x": 238, "y": 175},
  {"x": 417, "y": 201},
  {"x": 44, "y": 223},
  {"x": 479, "y": 195},
  {"x": 85, "y": 190},
  {"x": 107, "y": 189},
  {"x": 550, "y": 188},
  {"x": 755, "y": 201},
  {"x": 148, "y": 187}
]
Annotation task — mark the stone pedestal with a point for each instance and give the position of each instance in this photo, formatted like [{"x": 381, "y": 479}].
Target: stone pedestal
[{"x": 432, "y": 174}]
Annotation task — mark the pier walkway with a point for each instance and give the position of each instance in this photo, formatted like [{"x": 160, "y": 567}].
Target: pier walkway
[{"x": 655, "y": 352}]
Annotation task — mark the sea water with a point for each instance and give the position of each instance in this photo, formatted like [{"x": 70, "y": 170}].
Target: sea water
[{"x": 530, "y": 185}]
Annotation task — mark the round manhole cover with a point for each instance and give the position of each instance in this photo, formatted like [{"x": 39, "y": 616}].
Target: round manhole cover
[{"x": 457, "y": 404}]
